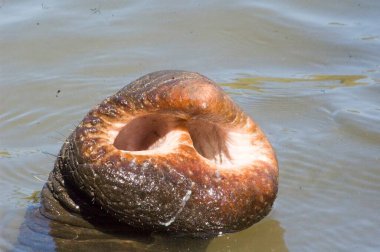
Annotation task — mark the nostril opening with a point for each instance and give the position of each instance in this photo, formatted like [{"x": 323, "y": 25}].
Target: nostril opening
[
  {"x": 142, "y": 133},
  {"x": 209, "y": 140},
  {"x": 151, "y": 132}
]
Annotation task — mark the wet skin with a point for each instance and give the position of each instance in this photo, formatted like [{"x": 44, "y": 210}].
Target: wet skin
[{"x": 170, "y": 152}]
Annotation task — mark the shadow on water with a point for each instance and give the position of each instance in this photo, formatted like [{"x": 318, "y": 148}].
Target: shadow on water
[{"x": 38, "y": 233}]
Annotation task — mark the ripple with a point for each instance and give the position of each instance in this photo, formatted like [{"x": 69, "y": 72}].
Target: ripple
[
  {"x": 4, "y": 154},
  {"x": 325, "y": 127},
  {"x": 9, "y": 227},
  {"x": 21, "y": 174},
  {"x": 360, "y": 123}
]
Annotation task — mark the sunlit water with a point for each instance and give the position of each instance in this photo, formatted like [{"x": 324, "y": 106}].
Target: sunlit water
[{"x": 307, "y": 71}]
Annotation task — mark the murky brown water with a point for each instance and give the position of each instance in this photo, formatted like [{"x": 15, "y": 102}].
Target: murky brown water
[{"x": 307, "y": 71}]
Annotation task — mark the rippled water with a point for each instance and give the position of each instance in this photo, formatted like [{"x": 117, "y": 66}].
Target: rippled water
[{"x": 307, "y": 71}]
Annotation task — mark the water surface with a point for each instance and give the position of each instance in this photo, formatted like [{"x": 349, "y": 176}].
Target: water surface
[{"x": 307, "y": 71}]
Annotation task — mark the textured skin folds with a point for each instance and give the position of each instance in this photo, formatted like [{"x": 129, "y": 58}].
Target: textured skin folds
[{"x": 168, "y": 152}]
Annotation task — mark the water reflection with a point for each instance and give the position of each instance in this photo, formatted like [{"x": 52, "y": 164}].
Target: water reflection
[
  {"x": 38, "y": 233},
  {"x": 257, "y": 83},
  {"x": 267, "y": 235}
]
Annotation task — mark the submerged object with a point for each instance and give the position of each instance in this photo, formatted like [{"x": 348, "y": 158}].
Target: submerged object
[{"x": 169, "y": 152}]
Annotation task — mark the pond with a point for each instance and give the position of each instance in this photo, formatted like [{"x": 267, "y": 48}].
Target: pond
[{"x": 308, "y": 72}]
